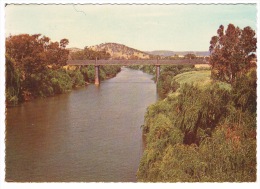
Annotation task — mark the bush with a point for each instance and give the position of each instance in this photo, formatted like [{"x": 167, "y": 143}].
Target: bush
[
  {"x": 166, "y": 85},
  {"x": 202, "y": 135},
  {"x": 244, "y": 91},
  {"x": 77, "y": 78},
  {"x": 109, "y": 71},
  {"x": 13, "y": 85},
  {"x": 49, "y": 83},
  {"x": 61, "y": 81}
]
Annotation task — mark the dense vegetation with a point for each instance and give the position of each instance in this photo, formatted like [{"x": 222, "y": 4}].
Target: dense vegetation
[
  {"x": 35, "y": 67},
  {"x": 202, "y": 130}
]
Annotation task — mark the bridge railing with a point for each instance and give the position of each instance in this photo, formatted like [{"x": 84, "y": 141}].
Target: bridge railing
[{"x": 135, "y": 62}]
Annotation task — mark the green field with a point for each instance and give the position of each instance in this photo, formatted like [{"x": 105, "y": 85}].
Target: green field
[
  {"x": 196, "y": 77},
  {"x": 200, "y": 78}
]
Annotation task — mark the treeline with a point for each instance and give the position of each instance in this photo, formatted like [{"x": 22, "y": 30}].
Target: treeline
[
  {"x": 35, "y": 67},
  {"x": 190, "y": 56},
  {"x": 150, "y": 69},
  {"x": 204, "y": 134},
  {"x": 89, "y": 54}
]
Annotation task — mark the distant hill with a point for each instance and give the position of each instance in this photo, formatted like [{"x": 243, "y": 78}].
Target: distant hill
[
  {"x": 165, "y": 53},
  {"x": 119, "y": 51},
  {"x": 74, "y": 49}
]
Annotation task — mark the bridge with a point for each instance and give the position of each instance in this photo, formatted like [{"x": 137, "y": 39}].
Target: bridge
[{"x": 156, "y": 62}]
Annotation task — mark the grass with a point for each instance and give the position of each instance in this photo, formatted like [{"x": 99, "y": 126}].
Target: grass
[
  {"x": 200, "y": 78},
  {"x": 196, "y": 77}
]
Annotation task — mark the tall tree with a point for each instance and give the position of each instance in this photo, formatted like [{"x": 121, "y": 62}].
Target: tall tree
[
  {"x": 31, "y": 56},
  {"x": 34, "y": 53},
  {"x": 232, "y": 52}
]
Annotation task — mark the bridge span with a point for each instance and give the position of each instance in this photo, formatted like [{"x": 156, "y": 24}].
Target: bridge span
[{"x": 155, "y": 62}]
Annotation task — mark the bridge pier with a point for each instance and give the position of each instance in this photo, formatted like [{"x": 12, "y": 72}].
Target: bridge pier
[
  {"x": 157, "y": 73},
  {"x": 97, "y": 82}
]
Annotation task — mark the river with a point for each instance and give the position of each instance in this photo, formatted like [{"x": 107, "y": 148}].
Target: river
[{"x": 91, "y": 134}]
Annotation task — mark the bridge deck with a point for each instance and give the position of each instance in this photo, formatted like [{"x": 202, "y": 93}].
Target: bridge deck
[{"x": 134, "y": 62}]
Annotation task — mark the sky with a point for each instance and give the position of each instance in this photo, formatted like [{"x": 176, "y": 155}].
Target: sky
[{"x": 144, "y": 27}]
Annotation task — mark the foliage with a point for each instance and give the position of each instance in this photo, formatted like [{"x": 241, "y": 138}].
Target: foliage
[
  {"x": 202, "y": 134},
  {"x": 76, "y": 77},
  {"x": 167, "y": 81},
  {"x": 244, "y": 91},
  {"x": 190, "y": 56},
  {"x": 167, "y": 85},
  {"x": 52, "y": 82},
  {"x": 211, "y": 124},
  {"x": 232, "y": 52},
  {"x": 34, "y": 68},
  {"x": 224, "y": 157},
  {"x": 150, "y": 69},
  {"x": 30, "y": 57},
  {"x": 110, "y": 70},
  {"x": 199, "y": 111},
  {"x": 34, "y": 53},
  {"x": 13, "y": 86}
]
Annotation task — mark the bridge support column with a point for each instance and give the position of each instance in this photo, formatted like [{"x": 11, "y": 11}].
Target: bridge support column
[
  {"x": 97, "y": 82},
  {"x": 157, "y": 73}
]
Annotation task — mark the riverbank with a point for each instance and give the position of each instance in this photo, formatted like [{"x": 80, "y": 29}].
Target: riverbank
[
  {"x": 35, "y": 67},
  {"x": 54, "y": 82},
  {"x": 199, "y": 132}
]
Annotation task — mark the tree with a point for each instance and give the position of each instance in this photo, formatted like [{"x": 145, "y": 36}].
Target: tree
[
  {"x": 32, "y": 56},
  {"x": 232, "y": 52},
  {"x": 34, "y": 53},
  {"x": 190, "y": 56}
]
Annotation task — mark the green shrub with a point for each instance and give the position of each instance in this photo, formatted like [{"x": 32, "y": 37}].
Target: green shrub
[
  {"x": 166, "y": 85},
  {"x": 109, "y": 71},
  {"x": 49, "y": 83},
  {"x": 90, "y": 73},
  {"x": 77, "y": 78},
  {"x": 244, "y": 91},
  {"x": 202, "y": 134},
  {"x": 61, "y": 81},
  {"x": 13, "y": 83}
]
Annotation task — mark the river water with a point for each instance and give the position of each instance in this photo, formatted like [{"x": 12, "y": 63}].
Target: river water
[{"x": 91, "y": 134}]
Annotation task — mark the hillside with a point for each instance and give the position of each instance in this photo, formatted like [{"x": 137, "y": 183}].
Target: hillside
[
  {"x": 119, "y": 51},
  {"x": 74, "y": 49},
  {"x": 182, "y": 53}
]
